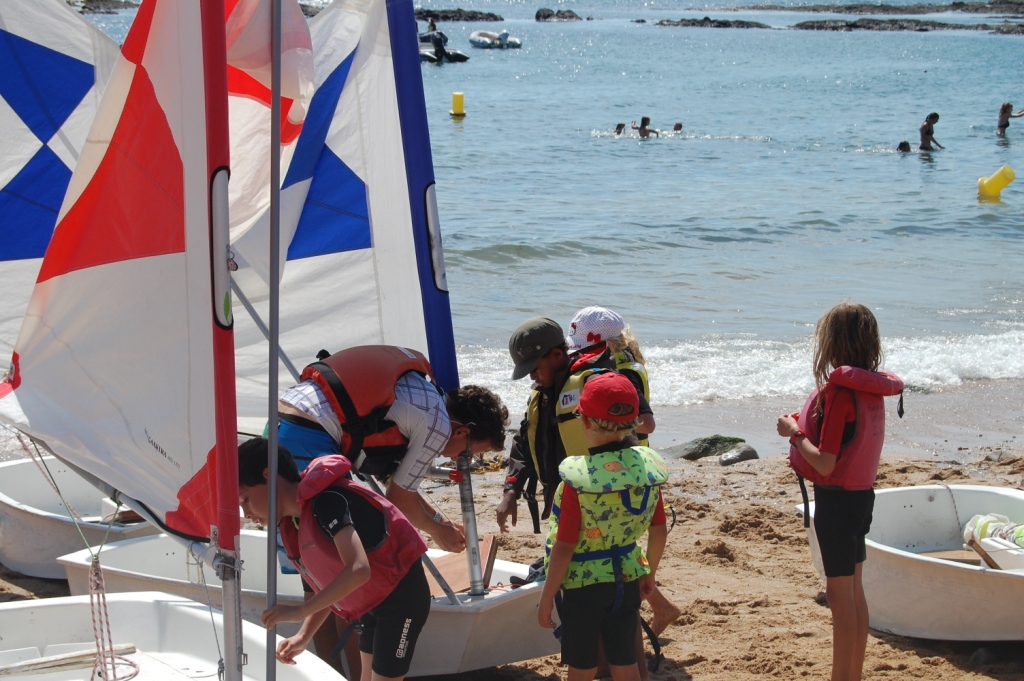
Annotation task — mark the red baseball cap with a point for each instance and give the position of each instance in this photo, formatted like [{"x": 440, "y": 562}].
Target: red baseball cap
[{"x": 605, "y": 390}]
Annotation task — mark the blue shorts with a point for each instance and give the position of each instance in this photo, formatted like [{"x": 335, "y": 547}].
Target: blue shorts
[{"x": 305, "y": 443}]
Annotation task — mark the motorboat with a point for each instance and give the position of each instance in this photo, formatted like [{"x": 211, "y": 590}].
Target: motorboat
[
  {"x": 36, "y": 526},
  {"x": 158, "y": 635},
  {"x": 492, "y": 40},
  {"x": 472, "y": 635},
  {"x": 920, "y": 581},
  {"x": 428, "y": 37}
]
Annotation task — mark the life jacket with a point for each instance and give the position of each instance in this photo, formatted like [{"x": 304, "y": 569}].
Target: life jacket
[
  {"x": 615, "y": 492},
  {"x": 360, "y": 383},
  {"x": 316, "y": 557},
  {"x": 857, "y": 464},
  {"x": 570, "y": 427},
  {"x": 625, "y": 360}
]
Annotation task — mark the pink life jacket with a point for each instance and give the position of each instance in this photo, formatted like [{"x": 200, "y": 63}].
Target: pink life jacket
[
  {"x": 857, "y": 464},
  {"x": 316, "y": 557}
]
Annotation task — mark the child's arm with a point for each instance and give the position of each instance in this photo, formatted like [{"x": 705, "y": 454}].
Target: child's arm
[
  {"x": 823, "y": 462},
  {"x": 293, "y": 645},
  {"x": 355, "y": 574},
  {"x": 657, "y": 538},
  {"x": 558, "y": 565}
]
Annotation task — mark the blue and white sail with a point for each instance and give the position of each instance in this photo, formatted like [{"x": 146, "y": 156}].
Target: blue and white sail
[
  {"x": 55, "y": 66},
  {"x": 359, "y": 219}
]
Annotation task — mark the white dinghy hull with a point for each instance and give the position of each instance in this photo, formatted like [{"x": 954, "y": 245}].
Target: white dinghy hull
[
  {"x": 36, "y": 528},
  {"x": 455, "y": 639},
  {"x": 174, "y": 638},
  {"x": 915, "y": 595}
]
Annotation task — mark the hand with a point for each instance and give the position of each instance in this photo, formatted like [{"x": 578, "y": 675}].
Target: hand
[
  {"x": 647, "y": 586},
  {"x": 787, "y": 425},
  {"x": 544, "y": 609},
  {"x": 282, "y": 613},
  {"x": 450, "y": 537},
  {"x": 508, "y": 507},
  {"x": 290, "y": 647}
]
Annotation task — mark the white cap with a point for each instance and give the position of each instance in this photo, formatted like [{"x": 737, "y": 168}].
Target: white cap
[{"x": 593, "y": 325}]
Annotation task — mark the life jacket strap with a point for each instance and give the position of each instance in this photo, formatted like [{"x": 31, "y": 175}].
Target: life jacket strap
[
  {"x": 530, "y": 494},
  {"x": 628, "y": 502},
  {"x": 807, "y": 503}
]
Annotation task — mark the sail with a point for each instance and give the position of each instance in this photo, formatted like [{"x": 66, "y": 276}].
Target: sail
[
  {"x": 124, "y": 364},
  {"x": 359, "y": 218},
  {"x": 55, "y": 65}
]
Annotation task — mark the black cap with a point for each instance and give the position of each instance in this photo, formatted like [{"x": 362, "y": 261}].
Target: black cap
[{"x": 532, "y": 340}]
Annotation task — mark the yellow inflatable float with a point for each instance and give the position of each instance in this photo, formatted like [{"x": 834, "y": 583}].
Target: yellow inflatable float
[{"x": 990, "y": 186}]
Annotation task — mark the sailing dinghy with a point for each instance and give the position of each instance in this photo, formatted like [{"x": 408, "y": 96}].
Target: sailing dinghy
[
  {"x": 124, "y": 365},
  {"x": 919, "y": 581}
]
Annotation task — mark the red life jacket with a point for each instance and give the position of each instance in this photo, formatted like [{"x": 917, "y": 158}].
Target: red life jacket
[
  {"x": 360, "y": 385},
  {"x": 857, "y": 464},
  {"x": 317, "y": 558}
]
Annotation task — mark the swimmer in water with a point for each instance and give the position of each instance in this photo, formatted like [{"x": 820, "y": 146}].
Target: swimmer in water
[
  {"x": 928, "y": 133},
  {"x": 677, "y": 127},
  {"x": 1005, "y": 114},
  {"x": 619, "y": 129},
  {"x": 903, "y": 146},
  {"x": 644, "y": 129}
]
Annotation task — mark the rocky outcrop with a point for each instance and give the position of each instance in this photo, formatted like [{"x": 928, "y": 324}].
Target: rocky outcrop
[
  {"x": 887, "y": 25},
  {"x": 713, "y": 445},
  {"x": 545, "y": 14},
  {"x": 867, "y": 8},
  {"x": 103, "y": 6},
  {"x": 310, "y": 11},
  {"x": 708, "y": 22},
  {"x": 455, "y": 15},
  {"x": 1009, "y": 29},
  {"x": 741, "y": 452}
]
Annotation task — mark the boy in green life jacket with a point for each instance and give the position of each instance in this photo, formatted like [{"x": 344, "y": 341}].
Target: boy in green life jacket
[{"x": 606, "y": 501}]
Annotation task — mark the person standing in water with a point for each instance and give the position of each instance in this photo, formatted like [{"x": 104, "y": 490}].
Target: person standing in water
[
  {"x": 644, "y": 129},
  {"x": 1005, "y": 114},
  {"x": 928, "y": 133},
  {"x": 836, "y": 442},
  {"x": 619, "y": 129}
]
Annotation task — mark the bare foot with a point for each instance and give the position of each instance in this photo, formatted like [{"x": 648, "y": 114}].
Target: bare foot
[{"x": 665, "y": 615}]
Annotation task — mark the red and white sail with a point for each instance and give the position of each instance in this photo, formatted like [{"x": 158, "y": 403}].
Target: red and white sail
[{"x": 124, "y": 364}]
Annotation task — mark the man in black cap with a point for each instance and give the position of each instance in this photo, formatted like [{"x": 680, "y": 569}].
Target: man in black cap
[{"x": 550, "y": 430}]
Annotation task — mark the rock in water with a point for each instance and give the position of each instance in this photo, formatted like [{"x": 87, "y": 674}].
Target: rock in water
[
  {"x": 703, "y": 446},
  {"x": 545, "y": 14},
  {"x": 743, "y": 452}
]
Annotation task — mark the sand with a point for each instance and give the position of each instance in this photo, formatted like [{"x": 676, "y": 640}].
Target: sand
[{"x": 738, "y": 563}]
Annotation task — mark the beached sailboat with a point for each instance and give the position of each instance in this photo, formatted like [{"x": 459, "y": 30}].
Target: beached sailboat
[
  {"x": 919, "y": 581},
  {"x": 124, "y": 365}
]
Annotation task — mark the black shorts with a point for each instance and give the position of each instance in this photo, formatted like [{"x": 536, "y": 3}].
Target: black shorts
[
  {"x": 587, "y": 619},
  {"x": 842, "y": 519},
  {"x": 390, "y": 630}
]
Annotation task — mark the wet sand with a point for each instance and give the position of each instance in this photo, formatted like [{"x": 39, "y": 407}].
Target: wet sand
[{"x": 738, "y": 563}]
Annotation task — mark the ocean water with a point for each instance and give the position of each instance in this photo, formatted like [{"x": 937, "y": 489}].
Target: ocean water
[{"x": 721, "y": 245}]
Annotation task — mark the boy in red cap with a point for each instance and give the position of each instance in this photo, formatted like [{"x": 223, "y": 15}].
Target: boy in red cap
[{"x": 606, "y": 501}]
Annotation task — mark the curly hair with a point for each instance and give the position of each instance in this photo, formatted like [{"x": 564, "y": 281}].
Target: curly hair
[
  {"x": 482, "y": 411},
  {"x": 253, "y": 459},
  {"x": 627, "y": 342}
]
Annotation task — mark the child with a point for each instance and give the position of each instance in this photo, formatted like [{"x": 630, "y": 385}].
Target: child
[
  {"x": 356, "y": 549},
  {"x": 644, "y": 129},
  {"x": 836, "y": 443},
  {"x": 606, "y": 501},
  {"x": 928, "y": 133},
  {"x": 1005, "y": 114}
]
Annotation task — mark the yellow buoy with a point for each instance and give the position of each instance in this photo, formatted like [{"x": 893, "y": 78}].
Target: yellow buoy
[
  {"x": 991, "y": 186},
  {"x": 458, "y": 105}
]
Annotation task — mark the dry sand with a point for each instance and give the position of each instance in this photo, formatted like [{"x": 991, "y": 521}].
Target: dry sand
[{"x": 737, "y": 562}]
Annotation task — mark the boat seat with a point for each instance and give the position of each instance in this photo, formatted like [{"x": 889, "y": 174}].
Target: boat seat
[
  {"x": 65, "y": 648},
  {"x": 1006, "y": 554},
  {"x": 18, "y": 655},
  {"x": 455, "y": 568},
  {"x": 955, "y": 555}
]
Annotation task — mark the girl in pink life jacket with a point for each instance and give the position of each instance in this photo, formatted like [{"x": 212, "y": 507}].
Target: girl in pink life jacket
[
  {"x": 836, "y": 442},
  {"x": 355, "y": 549}
]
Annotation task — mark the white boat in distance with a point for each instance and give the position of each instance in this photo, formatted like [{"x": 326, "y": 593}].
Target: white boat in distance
[
  {"x": 489, "y": 40},
  {"x": 177, "y": 643},
  {"x": 35, "y": 526},
  {"x": 455, "y": 639},
  {"x": 910, "y": 593}
]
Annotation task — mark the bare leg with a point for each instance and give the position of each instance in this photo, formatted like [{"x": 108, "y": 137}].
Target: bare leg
[
  {"x": 325, "y": 638},
  {"x": 581, "y": 674},
  {"x": 665, "y": 611},
  {"x": 624, "y": 673},
  {"x": 841, "y": 600},
  {"x": 861, "y": 640}
]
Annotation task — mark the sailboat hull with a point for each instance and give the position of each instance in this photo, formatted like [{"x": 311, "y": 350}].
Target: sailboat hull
[
  {"x": 36, "y": 528},
  {"x": 455, "y": 639},
  {"x": 174, "y": 638}
]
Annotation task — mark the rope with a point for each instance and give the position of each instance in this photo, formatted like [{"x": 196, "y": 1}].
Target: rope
[
  {"x": 37, "y": 459},
  {"x": 201, "y": 574},
  {"x": 107, "y": 664},
  {"x": 952, "y": 497}
]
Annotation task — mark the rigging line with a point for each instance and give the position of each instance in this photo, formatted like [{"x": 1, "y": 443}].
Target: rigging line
[
  {"x": 956, "y": 511},
  {"x": 201, "y": 574},
  {"x": 45, "y": 471},
  {"x": 264, "y": 330}
]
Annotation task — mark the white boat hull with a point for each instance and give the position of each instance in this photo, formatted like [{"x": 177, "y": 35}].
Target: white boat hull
[
  {"x": 922, "y": 597},
  {"x": 455, "y": 639},
  {"x": 174, "y": 637},
  {"x": 36, "y": 528}
]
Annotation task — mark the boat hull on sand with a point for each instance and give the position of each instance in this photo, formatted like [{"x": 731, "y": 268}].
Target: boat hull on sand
[
  {"x": 173, "y": 636},
  {"x": 455, "y": 639},
  {"x": 915, "y": 595},
  {"x": 36, "y": 528}
]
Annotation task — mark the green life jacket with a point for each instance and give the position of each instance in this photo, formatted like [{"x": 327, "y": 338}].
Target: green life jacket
[
  {"x": 625, "y": 360},
  {"x": 617, "y": 493}
]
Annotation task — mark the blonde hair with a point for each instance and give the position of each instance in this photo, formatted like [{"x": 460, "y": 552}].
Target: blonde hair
[
  {"x": 614, "y": 426},
  {"x": 846, "y": 335},
  {"x": 628, "y": 342}
]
